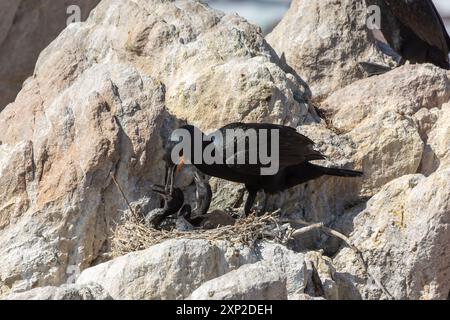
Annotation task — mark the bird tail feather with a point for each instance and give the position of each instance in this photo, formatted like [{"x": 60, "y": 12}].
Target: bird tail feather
[{"x": 339, "y": 172}]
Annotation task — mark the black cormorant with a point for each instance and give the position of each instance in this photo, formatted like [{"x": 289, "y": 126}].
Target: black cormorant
[
  {"x": 415, "y": 30},
  {"x": 295, "y": 151}
]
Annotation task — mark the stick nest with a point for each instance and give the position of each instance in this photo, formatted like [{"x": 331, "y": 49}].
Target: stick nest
[{"x": 133, "y": 235}]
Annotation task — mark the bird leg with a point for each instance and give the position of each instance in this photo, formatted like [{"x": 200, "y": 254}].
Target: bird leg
[{"x": 249, "y": 202}]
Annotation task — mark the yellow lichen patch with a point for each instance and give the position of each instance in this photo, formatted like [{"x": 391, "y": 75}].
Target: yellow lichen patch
[
  {"x": 399, "y": 218},
  {"x": 377, "y": 237},
  {"x": 425, "y": 293}
]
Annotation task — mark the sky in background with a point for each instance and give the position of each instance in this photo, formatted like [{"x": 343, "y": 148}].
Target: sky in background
[
  {"x": 267, "y": 13},
  {"x": 444, "y": 8}
]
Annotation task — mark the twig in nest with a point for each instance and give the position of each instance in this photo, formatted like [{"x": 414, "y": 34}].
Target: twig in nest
[
  {"x": 132, "y": 235},
  {"x": 314, "y": 226},
  {"x": 123, "y": 195}
]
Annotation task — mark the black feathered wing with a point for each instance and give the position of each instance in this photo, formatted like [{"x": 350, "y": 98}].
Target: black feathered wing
[
  {"x": 293, "y": 147},
  {"x": 422, "y": 17}
]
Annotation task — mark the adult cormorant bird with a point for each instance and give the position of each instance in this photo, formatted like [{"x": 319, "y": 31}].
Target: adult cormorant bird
[
  {"x": 295, "y": 151},
  {"x": 415, "y": 30}
]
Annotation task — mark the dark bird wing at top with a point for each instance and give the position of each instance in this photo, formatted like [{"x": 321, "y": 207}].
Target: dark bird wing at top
[
  {"x": 293, "y": 147},
  {"x": 422, "y": 17},
  {"x": 444, "y": 29}
]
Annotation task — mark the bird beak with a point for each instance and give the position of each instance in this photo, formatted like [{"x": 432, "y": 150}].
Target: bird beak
[
  {"x": 180, "y": 165},
  {"x": 159, "y": 189}
]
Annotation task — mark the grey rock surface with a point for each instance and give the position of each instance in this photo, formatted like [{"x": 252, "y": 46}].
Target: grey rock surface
[{"x": 26, "y": 28}]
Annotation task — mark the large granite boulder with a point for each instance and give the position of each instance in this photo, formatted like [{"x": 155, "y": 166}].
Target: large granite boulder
[{"x": 26, "y": 28}]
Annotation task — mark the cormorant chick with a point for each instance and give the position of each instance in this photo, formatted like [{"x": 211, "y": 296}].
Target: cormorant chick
[
  {"x": 203, "y": 194},
  {"x": 173, "y": 201}
]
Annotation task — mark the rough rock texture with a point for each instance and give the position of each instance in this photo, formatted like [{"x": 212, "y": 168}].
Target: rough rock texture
[
  {"x": 324, "y": 41},
  {"x": 404, "y": 90},
  {"x": 250, "y": 282},
  {"x": 217, "y": 68},
  {"x": 404, "y": 235},
  {"x": 200, "y": 269},
  {"x": 389, "y": 118},
  {"x": 64, "y": 292},
  {"x": 437, "y": 151},
  {"x": 67, "y": 217},
  {"x": 26, "y": 28},
  {"x": 171, "y": 270},
  {"x": 102, "y": 95}
]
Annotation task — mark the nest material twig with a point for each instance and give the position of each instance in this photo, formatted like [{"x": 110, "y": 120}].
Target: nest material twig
[
  {"x": 321, "y": 226},
  {"x": 133, "y": 235}
]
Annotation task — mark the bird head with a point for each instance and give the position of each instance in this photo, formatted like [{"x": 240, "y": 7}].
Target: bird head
[
  {"x": 173, "y": 201},
  {"x": 194, "y": 136}
]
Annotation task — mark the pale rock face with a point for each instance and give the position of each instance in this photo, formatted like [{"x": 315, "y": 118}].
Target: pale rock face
[
  {"x": 201, "y": 269},
  {"x": 324, "y": 41},
  {"x": 26, "y": 28},
  {"x": 64, "y": 292},
  {"x": 170, "y": 270},
  {"x": 106, "y": 93},
  {"x": 437, "y": 150},
  {"x": 388, "y": 118},
  {"x": 216, "y": 68},
  {"x": 256, "y": 281},
  {"x": 388, "y": 146},
  {"x": 103, "y": 96},
  {"x": 404, "y": 235},
  {"x": 322, "y": 199},
  {"x": 404, "y": 90},
  {"x": 65, "y": 204}
]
